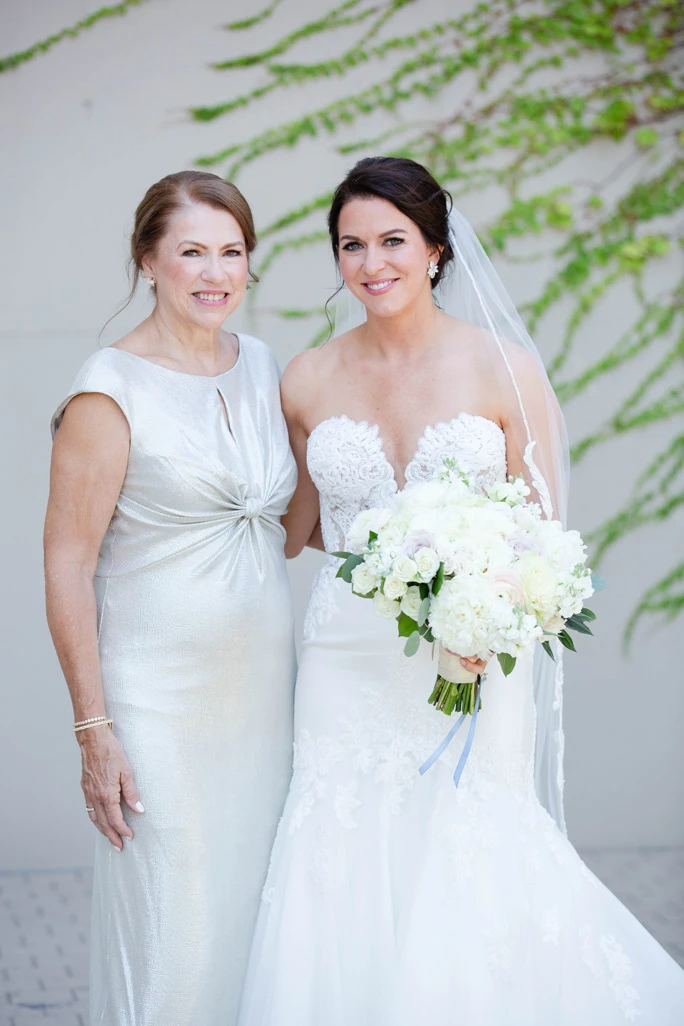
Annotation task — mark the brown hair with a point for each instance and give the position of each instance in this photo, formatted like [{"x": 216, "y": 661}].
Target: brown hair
[
  {"x": 411, "y": 188},
  {"x": 168, "y": 195}
]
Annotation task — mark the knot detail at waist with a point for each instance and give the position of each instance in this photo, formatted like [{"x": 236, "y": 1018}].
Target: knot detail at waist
[{"x": 253, "y": 508}]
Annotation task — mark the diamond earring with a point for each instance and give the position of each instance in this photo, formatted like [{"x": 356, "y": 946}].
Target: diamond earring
[
  {"x": 432, "y": 269},
  {"x": 150, "y": 280}
]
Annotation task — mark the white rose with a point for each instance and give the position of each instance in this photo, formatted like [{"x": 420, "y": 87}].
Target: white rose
[
  {"x": 410, "y": 604},
  {"x": 363, "y": 581},
  {"x": 386, "y": 607},
  {"x": 404, "y": 568},
  {"x": 394, "y": 587},
  {"x": 427, "y": 561},
  {"x": 540, "y": 584}
]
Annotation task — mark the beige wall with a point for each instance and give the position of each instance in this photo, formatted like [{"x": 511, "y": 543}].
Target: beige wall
[{"x": 85, "y": 129}]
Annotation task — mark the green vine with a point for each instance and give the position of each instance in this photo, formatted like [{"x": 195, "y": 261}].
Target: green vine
[
  {"x": 524, "y": 87},
  {"x": 528, "y": 107},
  {"x": 15, "y": 59},
  {"x": 255, "y": 19}
]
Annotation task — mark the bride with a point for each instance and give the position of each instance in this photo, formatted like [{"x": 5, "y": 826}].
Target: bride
[{"x": 395, "y": 899}]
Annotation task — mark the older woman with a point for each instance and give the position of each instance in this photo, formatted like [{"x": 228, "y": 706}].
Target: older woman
[{"x": 170, "y": 610}]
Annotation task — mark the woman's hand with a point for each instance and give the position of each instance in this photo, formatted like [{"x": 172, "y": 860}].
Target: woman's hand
[
  {"x": 107, "y": 779},
  {"x": 473, "y": 664}
]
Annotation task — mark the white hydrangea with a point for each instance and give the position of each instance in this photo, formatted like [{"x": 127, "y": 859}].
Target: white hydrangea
[
  {"x": 368, "y": 520},
  {"x": 379, "y": 563}
]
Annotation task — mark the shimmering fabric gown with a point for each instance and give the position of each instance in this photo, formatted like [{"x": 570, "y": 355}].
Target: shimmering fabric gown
[
  {"x": 397, "y": 900},
  {"x": 196, "y": 648}
]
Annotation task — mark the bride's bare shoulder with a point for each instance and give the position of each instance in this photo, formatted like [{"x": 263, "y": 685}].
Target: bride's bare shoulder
[{"x": 315, "y": 367}]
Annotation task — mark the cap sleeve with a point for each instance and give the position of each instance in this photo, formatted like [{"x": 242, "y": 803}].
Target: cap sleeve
[{"x": 98, "y": 374}]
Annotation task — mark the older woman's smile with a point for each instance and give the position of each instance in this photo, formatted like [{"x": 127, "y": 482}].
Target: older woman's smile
[{"x": 211, "y": 298}]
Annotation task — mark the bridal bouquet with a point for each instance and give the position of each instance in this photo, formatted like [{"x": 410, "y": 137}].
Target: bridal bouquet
[{"x": 480, "y": 573}]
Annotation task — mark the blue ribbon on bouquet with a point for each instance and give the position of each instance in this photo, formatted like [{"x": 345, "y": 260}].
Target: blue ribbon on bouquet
[{"x": 450, "y": 737}]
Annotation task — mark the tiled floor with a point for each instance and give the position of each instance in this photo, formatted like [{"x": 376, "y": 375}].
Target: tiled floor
[
  {"x": 44, "y": 948},
  {"x": 44, "y": 929}
]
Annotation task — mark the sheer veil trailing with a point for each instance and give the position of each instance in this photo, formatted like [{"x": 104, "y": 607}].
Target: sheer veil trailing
[{"x": 536, "y": 441}]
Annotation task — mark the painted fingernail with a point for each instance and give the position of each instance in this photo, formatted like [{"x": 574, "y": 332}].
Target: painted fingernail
[
  {"x": 139, "y": 807},
  {"x": 115, "y": 846}
]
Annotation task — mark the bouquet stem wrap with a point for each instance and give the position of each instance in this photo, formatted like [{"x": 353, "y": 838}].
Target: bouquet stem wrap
[{"x": 455, "y": 687}]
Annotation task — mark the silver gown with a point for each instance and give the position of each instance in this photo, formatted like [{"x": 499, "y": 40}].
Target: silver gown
[{"x": 196, "y": 648}]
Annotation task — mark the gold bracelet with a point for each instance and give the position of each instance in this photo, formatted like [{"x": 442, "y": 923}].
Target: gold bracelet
[
  {"x": 93, "y": 719},
  {"x": 99, "y": 723}
]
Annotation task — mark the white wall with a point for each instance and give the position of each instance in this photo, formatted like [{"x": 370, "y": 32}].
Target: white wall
[{"x": 85, "y": 129}]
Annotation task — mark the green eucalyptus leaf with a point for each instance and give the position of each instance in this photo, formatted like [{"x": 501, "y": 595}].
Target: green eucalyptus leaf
[
  {"x": 407, "y": 625},
  {"x": 345, "y": 571},
  {"x": 423, "y": 611},
  {"x": 412, "y": 644}
]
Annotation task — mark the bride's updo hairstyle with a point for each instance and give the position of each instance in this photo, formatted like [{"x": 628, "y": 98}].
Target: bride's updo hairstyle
[{"x": 411, "y": 189}]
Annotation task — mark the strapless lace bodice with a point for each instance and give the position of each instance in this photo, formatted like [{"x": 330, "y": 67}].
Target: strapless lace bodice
[{"x": 348, "y": 465}]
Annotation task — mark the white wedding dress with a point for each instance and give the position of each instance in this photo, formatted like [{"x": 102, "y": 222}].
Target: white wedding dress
[{"x": 395, "y": 899}]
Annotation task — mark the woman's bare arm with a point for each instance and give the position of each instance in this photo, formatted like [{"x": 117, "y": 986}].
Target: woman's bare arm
[
  {"x": 302, "y": 518},
  {"x": 89, "y": 461}
]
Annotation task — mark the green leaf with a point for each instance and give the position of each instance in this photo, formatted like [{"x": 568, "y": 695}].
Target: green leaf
[
  {"x": 549, "y": 651},
  {"x": 588, "y": 614},
  {"x": 372, "y": 536},
  {"x": 646, "y": 138},
  {"x": 349, "y": 564},
  {"x": 566, "y": 640},
  {"x": 575, "y": 624},
  {"x": 424, "y": 590},
  {"x": 439, "y": 580},
  {"x": 407, "y": 625},
  {"x": 342, "y": 555},
  {"x": 423, "y": 611},
  {"x": 412, "y": 644},
  {"x": 597, "y": 582},
  {"x": 506, "y": 662}
]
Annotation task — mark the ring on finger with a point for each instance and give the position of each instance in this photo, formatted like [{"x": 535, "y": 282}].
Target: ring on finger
[{"x": 88, "y": 808}]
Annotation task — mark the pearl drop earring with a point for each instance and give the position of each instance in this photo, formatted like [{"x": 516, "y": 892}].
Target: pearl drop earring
[{"x": 432, "y": 269}]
